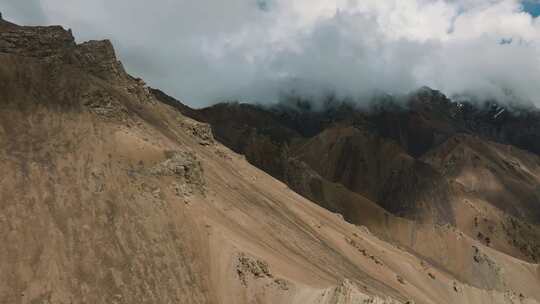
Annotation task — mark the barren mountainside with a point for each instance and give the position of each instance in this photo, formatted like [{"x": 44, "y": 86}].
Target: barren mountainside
[
  {"x": 424, "y": 158},
  {"x": 113, "y": 192}
]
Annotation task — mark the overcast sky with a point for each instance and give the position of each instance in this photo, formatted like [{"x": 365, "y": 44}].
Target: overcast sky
[{"x": 203, "y": 51}]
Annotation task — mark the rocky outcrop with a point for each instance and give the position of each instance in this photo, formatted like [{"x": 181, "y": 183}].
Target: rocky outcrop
[
  {"x": 348, "y": 293},
  {"x": 37, "y": 41},
  {"x": 187, "y": 170},
  {"x": 56, "y": 45},
  {"x": 201, "y": 131},
  {"x": 249, "y": 267},
  {"x": 99, "y": 59},
  {"x": 104, "y": 104}
]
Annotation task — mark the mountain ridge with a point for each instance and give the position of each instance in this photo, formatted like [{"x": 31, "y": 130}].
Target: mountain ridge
[{"x": 268, "y": 138}]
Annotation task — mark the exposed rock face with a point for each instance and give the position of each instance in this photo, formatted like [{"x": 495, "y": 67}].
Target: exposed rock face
[
  {"x": 201, "y": 131},
  {"x": 347, "y": 293},
  {"x": 99, "y": 58},
  {"x": 104, "y": 104},
  {"x": 55, "y": 44},
  {"x": 186, "y": 168},
  {"x": 251, "y": 267},
  {"x": 39, "y": 41}
]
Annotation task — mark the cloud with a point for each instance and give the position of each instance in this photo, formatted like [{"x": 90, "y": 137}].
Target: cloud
[
  {"x": 25, "y": 12},
  {"x": 206, "y": 51}
]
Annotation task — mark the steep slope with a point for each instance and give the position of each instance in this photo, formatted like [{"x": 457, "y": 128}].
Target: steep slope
[
  {"x": 499, "y": 173},
  {"x": 502, "y": 184},
  {"x": 381, "y": 170},
  {"x": 363, "y": 165},
  {"x": 110, "y": 196}
]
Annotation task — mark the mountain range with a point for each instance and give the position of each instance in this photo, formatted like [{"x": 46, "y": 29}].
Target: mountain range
[{"x": 115, "y": 192}]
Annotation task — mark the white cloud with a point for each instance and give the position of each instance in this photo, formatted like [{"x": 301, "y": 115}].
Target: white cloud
[{"x": 208, "y": 50}]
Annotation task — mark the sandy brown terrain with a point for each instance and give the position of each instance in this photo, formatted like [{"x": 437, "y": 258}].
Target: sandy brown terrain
[{"x": 110, "y": 196}]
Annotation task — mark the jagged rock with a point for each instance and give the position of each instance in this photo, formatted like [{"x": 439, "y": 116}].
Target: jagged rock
[
  {"x": 456, "y": 287},
  {"x": 250, "y": 267},
  {"x": 347, "y": 292},
  {"x": 201, "y": 131},
  {"x": 481, "y": 257},
  {"x": 56, "y": 45},
  {"x": 37, "y": 41},
  {"x": 282, "y": 284},
  {"x": 104, "y": 104},
  {"x": 99, "y": 59},
  {"x": 188, "y": 170}
]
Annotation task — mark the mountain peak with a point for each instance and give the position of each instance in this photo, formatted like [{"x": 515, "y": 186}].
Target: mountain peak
[
  {"x": 56, "y": 44},
  {"x": 35, "y": 41}
]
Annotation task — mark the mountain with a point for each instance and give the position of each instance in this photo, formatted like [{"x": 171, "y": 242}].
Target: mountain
[
  {"x": 402, "y": 167},
  {"x": 402, "y": 155},
  {"x": 113, "y": 192}
]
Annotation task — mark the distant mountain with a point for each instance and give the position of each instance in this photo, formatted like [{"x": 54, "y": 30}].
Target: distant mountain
[{"x": 422, "y": 157}]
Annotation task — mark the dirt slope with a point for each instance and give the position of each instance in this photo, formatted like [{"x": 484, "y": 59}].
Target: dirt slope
[{"x": 110, "y": 196}]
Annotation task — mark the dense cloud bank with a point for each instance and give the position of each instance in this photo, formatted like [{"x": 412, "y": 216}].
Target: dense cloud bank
[{"x": 253, "y": 50}]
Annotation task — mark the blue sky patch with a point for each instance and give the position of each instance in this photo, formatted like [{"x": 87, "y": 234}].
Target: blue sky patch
[{"x": 532, "y": 7}]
